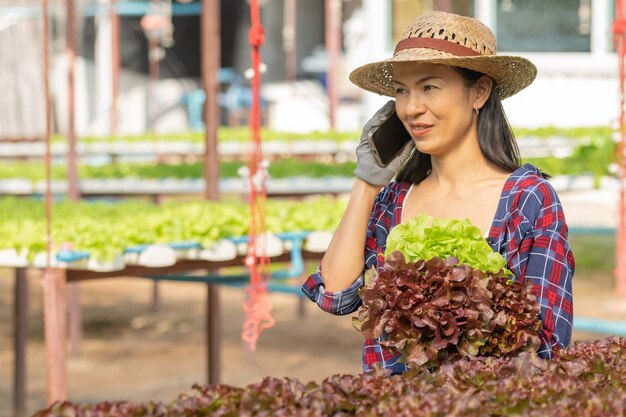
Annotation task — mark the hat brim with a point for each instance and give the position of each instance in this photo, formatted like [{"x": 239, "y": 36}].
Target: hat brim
[{"x": 511, "y": 73}]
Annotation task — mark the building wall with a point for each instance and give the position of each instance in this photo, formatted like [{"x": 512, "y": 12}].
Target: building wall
[{"x": 22, "y": 114}]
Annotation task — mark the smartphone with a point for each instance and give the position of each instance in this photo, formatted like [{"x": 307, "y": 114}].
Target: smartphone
[{"x": 389, "y": 139}]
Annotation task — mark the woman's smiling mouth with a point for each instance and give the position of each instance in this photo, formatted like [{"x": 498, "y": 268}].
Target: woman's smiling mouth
[{"x": 420, "y": 129}]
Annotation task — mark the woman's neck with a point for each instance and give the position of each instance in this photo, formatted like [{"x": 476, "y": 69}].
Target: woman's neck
[{"x": 463, "y": 166}]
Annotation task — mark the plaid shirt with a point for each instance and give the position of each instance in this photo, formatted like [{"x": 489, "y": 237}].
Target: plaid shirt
[{"x": 530, "y": 232}]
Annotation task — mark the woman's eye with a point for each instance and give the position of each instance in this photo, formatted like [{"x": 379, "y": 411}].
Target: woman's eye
[
  {"x": 428, "y": 87},
  {"x": 400, "y": 90}
]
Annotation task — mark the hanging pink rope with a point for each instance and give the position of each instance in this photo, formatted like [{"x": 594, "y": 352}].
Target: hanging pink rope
[
  {"x": 257, "y": 306},
  {"x": 619, "y": 33}
]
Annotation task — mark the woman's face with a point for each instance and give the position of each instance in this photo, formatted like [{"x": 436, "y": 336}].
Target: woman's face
[{"x": 435, "y": 105}]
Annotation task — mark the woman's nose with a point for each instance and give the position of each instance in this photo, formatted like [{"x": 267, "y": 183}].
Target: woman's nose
[{"x": 415, "y": 105}]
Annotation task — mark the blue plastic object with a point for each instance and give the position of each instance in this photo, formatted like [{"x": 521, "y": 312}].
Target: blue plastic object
[
  {"x": 140, "y": 8},
  {"x": 607, "y": 327},
  {"x": 194, "y": 101},
  {"x": 175, "y": 246},
  {"x": 234, "y": 98},
  {"x": 71, "y": 256},
  {"x": 584, "y": 230},
  {"x": 296, "y": 269}
]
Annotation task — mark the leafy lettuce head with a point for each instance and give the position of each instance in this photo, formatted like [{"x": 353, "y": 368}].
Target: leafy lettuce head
[{"x": 424, "y": 238}]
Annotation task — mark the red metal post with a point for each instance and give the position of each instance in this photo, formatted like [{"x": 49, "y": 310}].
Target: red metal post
[
  {"x": 70, "y": 53},
  {"x": 619, "y": 31},
  {"x": 333, "y": 46},
  {"x": 55, "y": 326},
  {"x": 46, "y": 92},
  {"x": 115, "y": 65},
  {"x": 213, "y": 334},
  {"x": 210, "y": 61},
  {"x": 75, "y": 317},
  {"x": 154, "y": 56},
  {"x": 72, "y": 163},
  {"x": 290, "y": 39},
  {"x": 153, "y": 61},
  {"x": 153, "y": 107},
  {"x": 20, "y": 331},
  {"x": 53, "y": 279},
  {"x": 210, "y": 56}
]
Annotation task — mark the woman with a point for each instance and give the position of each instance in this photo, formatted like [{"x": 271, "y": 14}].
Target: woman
[{"x": 462, "y": 162}]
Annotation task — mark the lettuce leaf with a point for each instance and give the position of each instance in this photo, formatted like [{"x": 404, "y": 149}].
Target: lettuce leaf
[{"x": 425, "y": 237}]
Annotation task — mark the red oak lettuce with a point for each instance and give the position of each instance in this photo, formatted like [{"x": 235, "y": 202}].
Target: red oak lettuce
[
  {"x": 586, "y": 380},
  {"x": 438, "y": 310}
]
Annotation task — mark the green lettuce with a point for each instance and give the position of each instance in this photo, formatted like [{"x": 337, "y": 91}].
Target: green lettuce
[{"x": 425, "y": 237}]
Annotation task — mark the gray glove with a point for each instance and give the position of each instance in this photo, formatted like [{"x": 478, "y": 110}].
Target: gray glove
[{"x": 370, "y": 168}]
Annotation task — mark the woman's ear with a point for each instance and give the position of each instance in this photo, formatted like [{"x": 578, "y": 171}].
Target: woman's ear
[{"x": 482, "y": 89}]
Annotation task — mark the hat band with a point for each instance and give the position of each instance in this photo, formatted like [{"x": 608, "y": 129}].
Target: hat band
[{"x": 438, "y": 44}]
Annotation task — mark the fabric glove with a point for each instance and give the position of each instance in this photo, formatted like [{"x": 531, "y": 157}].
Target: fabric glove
[{"x": 369, "y": 166}]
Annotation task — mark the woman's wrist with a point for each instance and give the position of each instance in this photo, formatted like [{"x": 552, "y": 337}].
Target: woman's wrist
[{"x": 363, "y": 189}]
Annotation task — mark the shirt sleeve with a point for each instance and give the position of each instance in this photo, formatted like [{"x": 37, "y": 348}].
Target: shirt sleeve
[
  {"x": 546, "y": 259},
  {"x": 348, "y": 300},
  {"x": 338, "y": 302}
]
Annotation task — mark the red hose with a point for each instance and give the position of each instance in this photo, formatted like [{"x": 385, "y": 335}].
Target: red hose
[{"x": 257, "y": 306}]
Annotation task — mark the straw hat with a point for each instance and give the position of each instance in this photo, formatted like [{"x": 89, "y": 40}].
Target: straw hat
[{"x": 446, "y": 38}]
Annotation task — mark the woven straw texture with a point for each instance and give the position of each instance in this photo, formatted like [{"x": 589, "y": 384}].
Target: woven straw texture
[{"x": 511, "y": 73}]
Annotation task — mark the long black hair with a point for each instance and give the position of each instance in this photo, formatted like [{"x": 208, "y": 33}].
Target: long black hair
[{"x": 495, "y": 137}]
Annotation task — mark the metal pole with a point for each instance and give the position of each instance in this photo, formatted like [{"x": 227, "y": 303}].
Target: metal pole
[
  {"x": 210, "y": 61},
  {"x": 153, "y": 48},
  {"x": 53, "y": 279},
  {"x": 70, "y": 53},
  {"x": 290, "y": 39},
  {"x": 72, "y": 164},
  {"x": 213, "y": 334},
  {"x": 333, "y": 46},
  {"x": 20, "y": 342},
  {"x": 153, "y": 79},
  {"x": 153, "y": 60},
  {"x": 75, "y": 317},
  {"x": 153, "y": 70},
  {"x": 115, "y": 65},
  {"x": 46, "y": 91},
  {"x": 210, "y": 64},
  {"x": 55, "y": 327}
]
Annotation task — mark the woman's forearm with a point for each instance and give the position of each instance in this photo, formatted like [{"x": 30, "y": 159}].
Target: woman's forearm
[{"x": 344, "y": 259}]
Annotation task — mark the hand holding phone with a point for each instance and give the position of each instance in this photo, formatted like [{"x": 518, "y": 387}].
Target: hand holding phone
[
  {"x": 390, "y": 138},
  {"x": 384, "y": 147}
]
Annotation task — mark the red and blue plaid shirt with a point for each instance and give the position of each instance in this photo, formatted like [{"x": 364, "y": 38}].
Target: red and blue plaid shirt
[{"x": 530, "y": 232}]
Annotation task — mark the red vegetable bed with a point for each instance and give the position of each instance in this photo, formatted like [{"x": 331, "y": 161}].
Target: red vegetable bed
[{"x": 587, "y": 379}]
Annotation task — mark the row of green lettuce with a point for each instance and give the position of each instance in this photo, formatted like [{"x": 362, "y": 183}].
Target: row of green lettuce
[
  {"x": 105, "y": 229},
  {"x": 242, "y": 134},
  {"x": 593, "y": 156},
  {"x": 224, "y": 134},
  {"x": 283, "y": 168}
]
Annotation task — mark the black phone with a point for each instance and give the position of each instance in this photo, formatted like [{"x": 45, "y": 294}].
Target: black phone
[{"x": 389, "y": 139}]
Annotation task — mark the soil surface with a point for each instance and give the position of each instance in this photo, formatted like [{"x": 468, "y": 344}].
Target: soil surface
[{"x": 133, "y": 351}]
